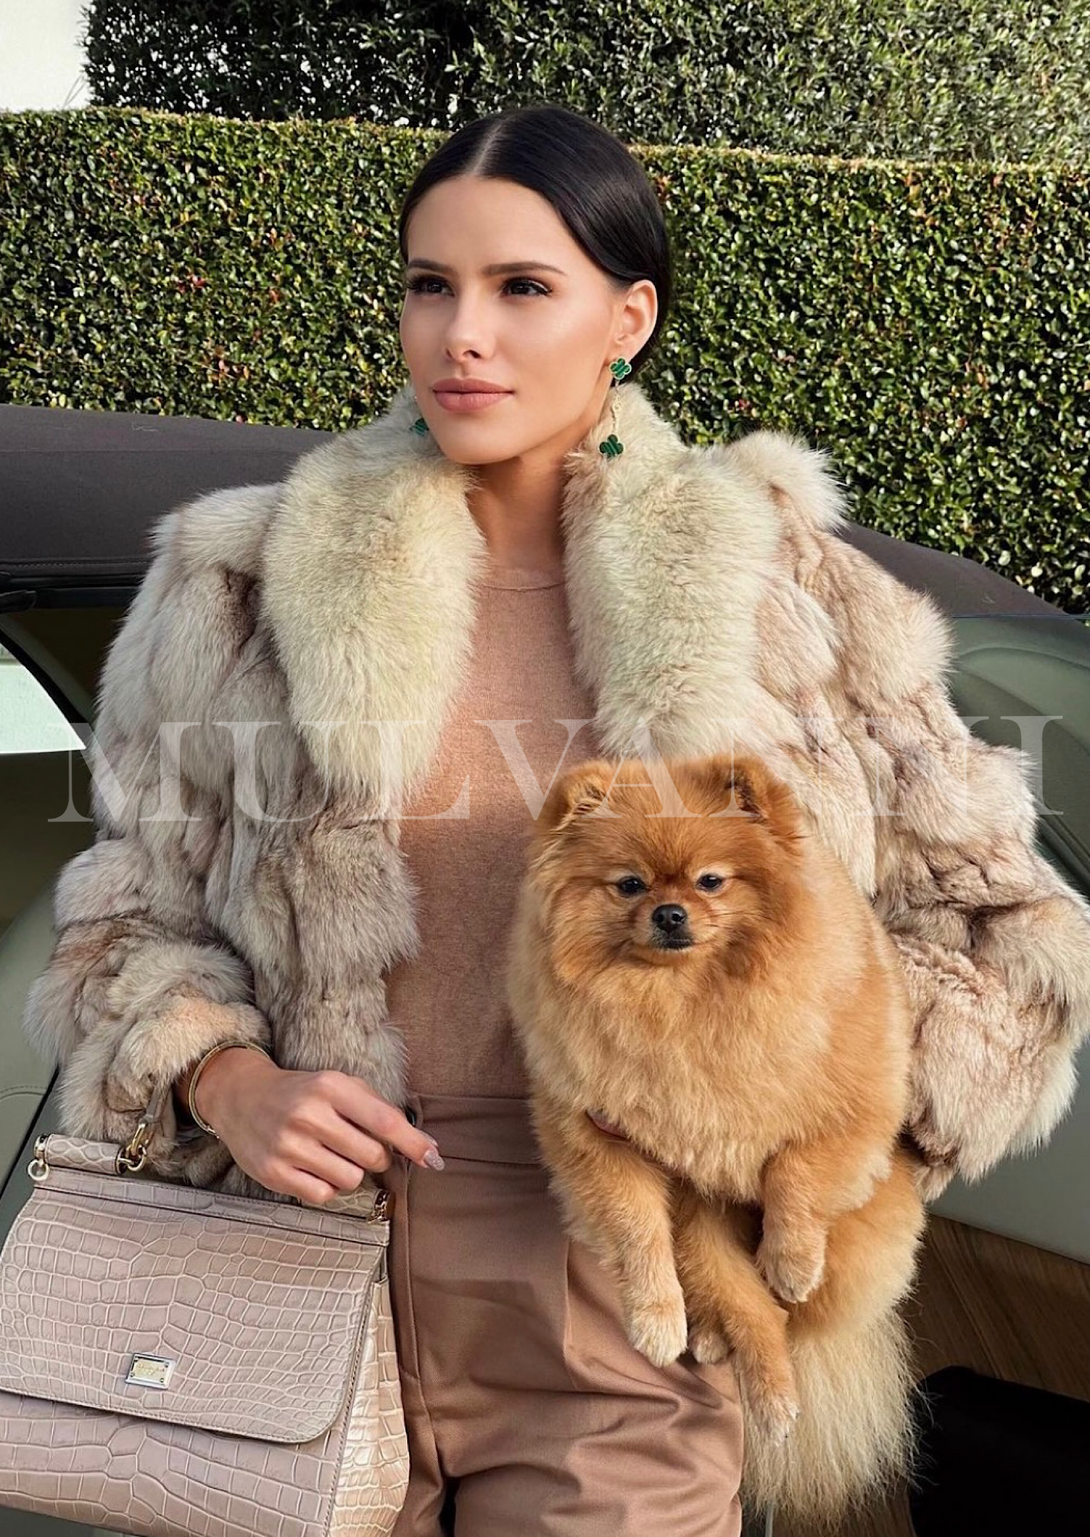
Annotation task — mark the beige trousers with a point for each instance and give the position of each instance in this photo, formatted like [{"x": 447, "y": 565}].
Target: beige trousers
[{"x": 529, "y": 1414}]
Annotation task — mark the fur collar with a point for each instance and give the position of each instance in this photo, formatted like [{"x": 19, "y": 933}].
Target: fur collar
[{"x": 368, "y": 585}]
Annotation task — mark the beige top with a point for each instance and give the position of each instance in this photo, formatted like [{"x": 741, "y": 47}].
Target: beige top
[{"x": 490, "y": 781}]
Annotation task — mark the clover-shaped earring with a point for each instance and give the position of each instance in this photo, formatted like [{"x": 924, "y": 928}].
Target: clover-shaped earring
[
  {"x": 611, "y": 447},
  {"x": 420, "y": 426},
  {"x": 620, "y": 370}
]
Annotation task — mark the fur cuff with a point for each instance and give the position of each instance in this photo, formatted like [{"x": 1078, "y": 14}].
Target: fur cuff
[
  {"x": 110, "y": 1078},
  {"x": 991, "y": 1074}
]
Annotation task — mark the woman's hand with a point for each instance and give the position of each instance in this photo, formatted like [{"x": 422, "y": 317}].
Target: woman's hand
[{"x": 309, "y": 1135}]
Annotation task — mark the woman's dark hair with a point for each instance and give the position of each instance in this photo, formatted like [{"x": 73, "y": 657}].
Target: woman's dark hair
[{"x": 594, "y": 183}]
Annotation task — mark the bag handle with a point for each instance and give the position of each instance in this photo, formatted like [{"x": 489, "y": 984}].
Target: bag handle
[
  {"x": 128, "y": 1157},
  {"x": 132, "y": 1155}
]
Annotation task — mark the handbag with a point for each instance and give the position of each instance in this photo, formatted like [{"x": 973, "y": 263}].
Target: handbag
[{"x": 180, "y": 1362}]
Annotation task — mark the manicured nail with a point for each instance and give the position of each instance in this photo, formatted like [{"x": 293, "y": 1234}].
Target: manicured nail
[{"x": 433, "y": 1160}]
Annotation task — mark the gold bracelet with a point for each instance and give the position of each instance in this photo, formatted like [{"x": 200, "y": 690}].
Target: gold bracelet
[{"x": 214, "y": 1051}]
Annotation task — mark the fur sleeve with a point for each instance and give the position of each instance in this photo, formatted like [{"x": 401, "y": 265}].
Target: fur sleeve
[
  {"x": 995, "y": 945},
  {"x": 137, "y": 986}
]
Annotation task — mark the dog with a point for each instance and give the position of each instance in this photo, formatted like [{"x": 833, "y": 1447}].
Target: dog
[{"x": 717, "y": 1036}]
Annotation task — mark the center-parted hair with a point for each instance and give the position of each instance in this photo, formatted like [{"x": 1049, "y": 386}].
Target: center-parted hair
[{"x": 596, "y": 185}]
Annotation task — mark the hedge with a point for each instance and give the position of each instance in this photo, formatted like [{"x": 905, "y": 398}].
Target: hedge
[
  {"x": 936, "y": 79},
  {"x": 928, "y": 324}
]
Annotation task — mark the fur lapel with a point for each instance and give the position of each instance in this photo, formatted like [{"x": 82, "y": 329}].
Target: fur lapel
[{"x": 370, "y": 562}]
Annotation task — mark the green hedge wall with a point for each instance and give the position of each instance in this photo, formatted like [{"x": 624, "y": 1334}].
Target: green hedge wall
[
  {"x": 928, "y": 324},
  {"x": 935, "y": 79}
]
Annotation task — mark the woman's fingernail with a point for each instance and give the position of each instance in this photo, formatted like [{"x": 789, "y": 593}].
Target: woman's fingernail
[{"x": 433, "y": 1160}]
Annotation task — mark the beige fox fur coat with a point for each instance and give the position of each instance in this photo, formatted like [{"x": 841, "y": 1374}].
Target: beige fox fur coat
[{"x": 710, "y": 599}]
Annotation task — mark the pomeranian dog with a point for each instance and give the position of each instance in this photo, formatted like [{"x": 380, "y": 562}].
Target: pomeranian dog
[{"x": 713, "y": 986}]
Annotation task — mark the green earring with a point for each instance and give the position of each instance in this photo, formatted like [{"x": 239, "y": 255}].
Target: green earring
[{"x": 612, "y": 446}]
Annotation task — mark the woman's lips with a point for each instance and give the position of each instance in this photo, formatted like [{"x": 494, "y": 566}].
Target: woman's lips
[{"x": 459, "y": 400}]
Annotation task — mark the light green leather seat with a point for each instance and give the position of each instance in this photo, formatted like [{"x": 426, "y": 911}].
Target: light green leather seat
[
  {"x": 24, "y": 1076},
  {"x": 1031, "y": 666},
  {"x": 1037, "y": 667}
]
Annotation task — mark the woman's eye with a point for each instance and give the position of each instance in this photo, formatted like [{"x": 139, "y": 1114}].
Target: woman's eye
[
  {"x": 630, "y": 885},
  {"x": 417, "y": 284},
  {"x": 710, "y": 882}
]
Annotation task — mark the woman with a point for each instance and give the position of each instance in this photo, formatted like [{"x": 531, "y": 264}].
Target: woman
[{"x": 383, "y": 661}]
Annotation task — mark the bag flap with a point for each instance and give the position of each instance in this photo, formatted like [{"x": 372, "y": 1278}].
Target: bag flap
[{"x": 172, "y": 1303}]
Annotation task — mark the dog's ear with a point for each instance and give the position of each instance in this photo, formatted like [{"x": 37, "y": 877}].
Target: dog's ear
[
  {"x": 582, "y": 791},
  {"x": 737, "y": 784},
  {"x": 748, "y": 787}
]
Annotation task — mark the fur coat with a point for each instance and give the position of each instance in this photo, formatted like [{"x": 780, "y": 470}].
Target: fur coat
[{"x": 290, "y": 628}]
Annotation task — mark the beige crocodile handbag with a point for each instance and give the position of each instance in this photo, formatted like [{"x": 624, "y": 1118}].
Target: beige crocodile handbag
[{"x": 178, "y": 1362}]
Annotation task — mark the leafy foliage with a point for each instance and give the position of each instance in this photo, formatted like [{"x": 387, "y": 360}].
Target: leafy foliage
[
  {"x": 928, "y": 324},
  {"x": 952, "y": 79}
]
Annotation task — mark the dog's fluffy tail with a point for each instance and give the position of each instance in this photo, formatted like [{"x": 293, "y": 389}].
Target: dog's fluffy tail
[{"x": 854, "y": 1436}]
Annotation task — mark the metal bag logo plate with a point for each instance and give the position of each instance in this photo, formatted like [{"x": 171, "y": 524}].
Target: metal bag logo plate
[{"x": 150, "y": 1371}]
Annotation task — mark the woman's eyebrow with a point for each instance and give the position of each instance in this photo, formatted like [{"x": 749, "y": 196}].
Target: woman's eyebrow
[{"x": 493, "y": 271}]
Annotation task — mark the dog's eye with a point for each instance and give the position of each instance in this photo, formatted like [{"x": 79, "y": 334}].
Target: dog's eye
[
  {"x": 710, "y": 882},
  {"x": 630, "y": 885}
]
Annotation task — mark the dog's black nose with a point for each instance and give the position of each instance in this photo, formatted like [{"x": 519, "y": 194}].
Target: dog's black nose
[{"x": 668, "y": 917}]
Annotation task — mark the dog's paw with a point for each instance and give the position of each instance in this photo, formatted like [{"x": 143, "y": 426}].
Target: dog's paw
[
  {"x": 658, "y": 1329},
  {"x": 776, "y": 1413},
  {"x": 708, "y": 1344},
  {"x": 793, "y": 1270},
  {"x": 769, "y": 1393}
]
